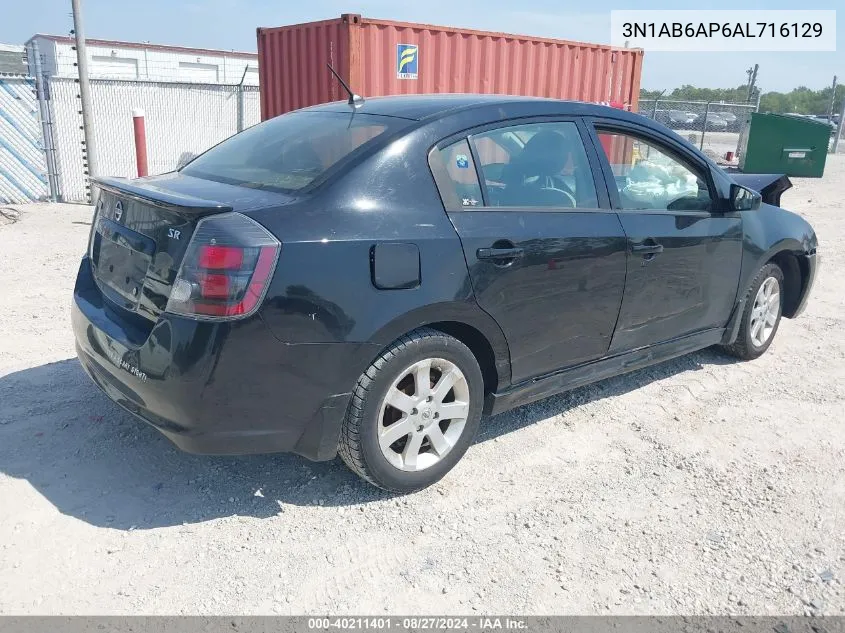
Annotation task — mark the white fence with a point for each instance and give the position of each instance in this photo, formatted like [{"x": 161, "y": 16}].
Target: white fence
[
  {"x": 23, "y": 172},
  {"x": 181, "y": 119}
]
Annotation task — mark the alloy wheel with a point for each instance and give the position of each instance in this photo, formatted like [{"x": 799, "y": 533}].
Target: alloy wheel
[
  {"x": 423, "y": 414},
  {"x": 765, "y": 312}
]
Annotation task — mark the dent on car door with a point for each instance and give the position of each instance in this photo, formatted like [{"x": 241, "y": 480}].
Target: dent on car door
[
  {"x": 684, "y": 251},
  {"x": 546, "y": 255}
]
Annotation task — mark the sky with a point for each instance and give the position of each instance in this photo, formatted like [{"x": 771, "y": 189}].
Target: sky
[{"x": 231, "y": 24}]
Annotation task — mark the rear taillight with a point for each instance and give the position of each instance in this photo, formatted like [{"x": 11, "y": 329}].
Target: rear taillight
[{"x": 226, "y": 270}]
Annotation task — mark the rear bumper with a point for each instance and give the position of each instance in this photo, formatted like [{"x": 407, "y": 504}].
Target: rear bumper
[{"x": 217, "y": 388}]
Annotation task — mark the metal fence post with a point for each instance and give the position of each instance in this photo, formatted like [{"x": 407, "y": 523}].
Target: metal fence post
[
  {"x": 240, "y": 89},
  {"x": 41, "y": 91},
  {"x": 654, "y": 109},
  {"x": 832, "y": 100},
  {"x": 140, "y": 134},
  {"x": 240, "y": 124},
  {"x": 839, "y": 128},
  {"x": 704, "y": 127}
]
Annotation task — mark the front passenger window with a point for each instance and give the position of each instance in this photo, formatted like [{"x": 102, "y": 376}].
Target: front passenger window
[
  {"x": 648, "y": 178},
  {"x": 536, "y": 165}
]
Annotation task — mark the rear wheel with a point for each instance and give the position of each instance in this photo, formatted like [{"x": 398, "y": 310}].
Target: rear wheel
[
  {"x": 414, "y": 412},
  {"x": 761, "y": 317}
]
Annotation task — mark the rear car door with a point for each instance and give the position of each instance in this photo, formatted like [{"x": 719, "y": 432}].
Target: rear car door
[
  {"x": 546, "y": 255},
  {"x": 684, "y": 250}
]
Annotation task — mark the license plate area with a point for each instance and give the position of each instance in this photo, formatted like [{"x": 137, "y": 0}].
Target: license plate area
[{"x": 122, "y": 258}]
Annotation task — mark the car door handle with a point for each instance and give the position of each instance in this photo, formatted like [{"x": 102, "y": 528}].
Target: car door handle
[
  {"x": 647, "y": 249},
  {"x": 499, "y": 253}
]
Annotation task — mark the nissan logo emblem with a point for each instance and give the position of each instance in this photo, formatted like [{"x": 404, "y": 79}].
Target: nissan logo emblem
[{"x": 118, "y": 210}]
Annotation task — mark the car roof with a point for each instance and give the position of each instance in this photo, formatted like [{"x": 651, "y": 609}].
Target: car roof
[{"x": 428, "y": 106}]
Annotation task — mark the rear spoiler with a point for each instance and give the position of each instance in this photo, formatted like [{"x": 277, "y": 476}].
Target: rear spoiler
[
  {"x": 769, "y": 186},
  {"x": 149, "y": 193}
]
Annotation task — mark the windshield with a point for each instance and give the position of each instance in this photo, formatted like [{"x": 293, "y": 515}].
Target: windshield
[{"x": 289, "y": 152}]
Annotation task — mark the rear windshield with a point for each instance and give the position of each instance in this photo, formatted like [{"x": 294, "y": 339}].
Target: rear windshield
[{"x": 291, "y": 151}]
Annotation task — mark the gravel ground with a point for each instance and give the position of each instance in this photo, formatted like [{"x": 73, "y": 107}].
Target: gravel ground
[{"x": 701, "y": 485}]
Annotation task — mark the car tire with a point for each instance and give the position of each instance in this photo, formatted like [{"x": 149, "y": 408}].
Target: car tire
[
  {"x": 395, "y": 434},
  {"x": 761, "y": 316}
]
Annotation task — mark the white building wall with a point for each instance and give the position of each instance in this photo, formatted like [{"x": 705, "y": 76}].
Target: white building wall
[{"x": 153, "y": 64}]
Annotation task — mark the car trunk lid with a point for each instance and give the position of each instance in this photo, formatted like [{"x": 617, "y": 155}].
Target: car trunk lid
[{"x": 142, "y": 229}]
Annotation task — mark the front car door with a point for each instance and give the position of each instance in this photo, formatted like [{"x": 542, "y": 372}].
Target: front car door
[
  {"x": 684, "y": 250},
  {"x": 545, "y": 252}
]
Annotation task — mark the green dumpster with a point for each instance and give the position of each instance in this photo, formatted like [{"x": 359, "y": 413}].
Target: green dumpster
[{"x": 784, "y": 144}]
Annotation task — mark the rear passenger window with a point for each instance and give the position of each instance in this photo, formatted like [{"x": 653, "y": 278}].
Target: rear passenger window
[
  {"x": 536, "y": 165},
  {"x": 462, "y": 179}
]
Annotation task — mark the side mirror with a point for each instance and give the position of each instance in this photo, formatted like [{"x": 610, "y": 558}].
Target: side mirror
[{"x": 743, "y": 199}]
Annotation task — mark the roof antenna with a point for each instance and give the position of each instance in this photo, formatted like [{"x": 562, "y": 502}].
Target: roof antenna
[{"x": 354, "y": 100}]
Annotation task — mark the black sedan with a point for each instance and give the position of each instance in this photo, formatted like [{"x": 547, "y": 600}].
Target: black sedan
[{"x": 371, "y": 278}]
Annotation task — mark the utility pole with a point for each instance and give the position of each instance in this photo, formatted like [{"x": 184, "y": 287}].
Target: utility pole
[
  {"x": 656, "y": 101},
  {"x": 839, "y": 128},
  {"x": 752, "y": 79},
  {"x": 84, "y": 89},
  {"x": 832, "y": 99}
]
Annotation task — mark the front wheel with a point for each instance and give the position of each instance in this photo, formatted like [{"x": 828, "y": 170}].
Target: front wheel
[
  {"x": 761, "y": 317},
  {"x": 413, "y": 413}
]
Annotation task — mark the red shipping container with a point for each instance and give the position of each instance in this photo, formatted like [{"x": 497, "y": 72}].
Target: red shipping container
[{"x": 379, "y": 57}]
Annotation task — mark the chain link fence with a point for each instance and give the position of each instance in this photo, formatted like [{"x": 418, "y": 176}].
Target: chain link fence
[
  {"x": 712, "y": 126},
  {"x": 182, "y": 120}
]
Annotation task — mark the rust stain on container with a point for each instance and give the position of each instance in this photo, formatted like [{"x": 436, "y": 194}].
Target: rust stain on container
[{"x": 381, "y": 57}]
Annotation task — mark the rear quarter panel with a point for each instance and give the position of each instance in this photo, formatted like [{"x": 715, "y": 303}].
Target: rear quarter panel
[{"x": 323, "y": 292}]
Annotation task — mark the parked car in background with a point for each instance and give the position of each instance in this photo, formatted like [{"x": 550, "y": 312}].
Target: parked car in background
[
  {"x": 829, "y": 121},
  {"x": 712, "y": 121},
  {"x": 675, "y": 119},
  {"x": 369, "y": 279},
  {"x": 680, "y": 119},
  {"x": 733, "y": 123}
]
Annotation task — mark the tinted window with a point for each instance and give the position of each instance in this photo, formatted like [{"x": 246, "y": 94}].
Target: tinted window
[
  {"x": 536, "y": 165},
  {"x": 649, "y": 178},
  {"x": 462, "y": 179},
  {"x": 290, "y": 151}
]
